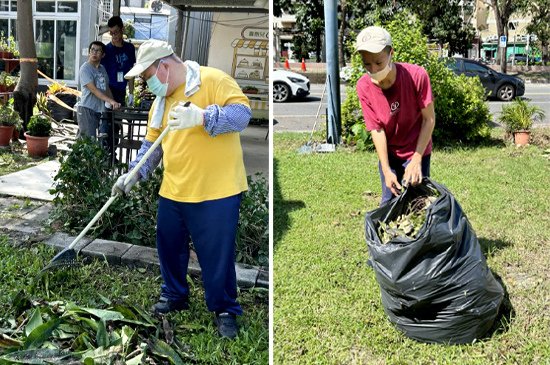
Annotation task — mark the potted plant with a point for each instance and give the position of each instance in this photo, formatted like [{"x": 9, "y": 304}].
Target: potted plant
[
  {"x": 13, "y": 49},
  {"x": 9, "y": 121},
  {"x": 7, "y": 82},
  {"x": 4, "y": 46},
  {"x": 37, "y": 135},
  {"x": 518, "y": 118}
]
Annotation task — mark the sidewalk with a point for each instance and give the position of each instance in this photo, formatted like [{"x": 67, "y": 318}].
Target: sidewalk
[{"x": 25, "y": 204}]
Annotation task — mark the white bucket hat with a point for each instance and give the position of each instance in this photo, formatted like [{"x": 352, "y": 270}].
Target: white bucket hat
[{"x": 149, "y": 52}]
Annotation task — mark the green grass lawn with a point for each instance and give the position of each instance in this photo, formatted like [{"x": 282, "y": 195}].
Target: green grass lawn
[
  {"x": 15, "y": 158},
  {"x": 327, "y": 307},
  {"x": 91, "y": 285}
]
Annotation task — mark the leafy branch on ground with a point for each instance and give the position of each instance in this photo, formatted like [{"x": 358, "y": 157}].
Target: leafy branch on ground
[
  {"x": 95, "y": 311},
  {"x": 60, "y": 331}
]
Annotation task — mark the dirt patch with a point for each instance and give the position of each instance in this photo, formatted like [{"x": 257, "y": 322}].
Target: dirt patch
[{"x": 540, "y": 137}]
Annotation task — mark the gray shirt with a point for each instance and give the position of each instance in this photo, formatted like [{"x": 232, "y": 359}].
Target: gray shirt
[{"x": 98, "y": 76}]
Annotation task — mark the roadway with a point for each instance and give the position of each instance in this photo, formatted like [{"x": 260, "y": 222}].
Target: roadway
[{"x": 301, "y": 115}]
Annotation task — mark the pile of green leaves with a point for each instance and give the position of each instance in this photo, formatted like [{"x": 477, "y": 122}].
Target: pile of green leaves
[
  {"x": 83, "y": 184},
  {"x": 63, "y": 332},
  {"x": 460, "y": 109},
  {"x": 408, "y": 224}
]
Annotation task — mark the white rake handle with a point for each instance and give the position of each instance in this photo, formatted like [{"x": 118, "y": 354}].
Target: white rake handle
[{"x": 128, "y": 178}]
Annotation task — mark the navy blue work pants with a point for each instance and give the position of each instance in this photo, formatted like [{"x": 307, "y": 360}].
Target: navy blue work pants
[
  {"x": 398, "y": 166},
  {"x": 212, "y": 226}
]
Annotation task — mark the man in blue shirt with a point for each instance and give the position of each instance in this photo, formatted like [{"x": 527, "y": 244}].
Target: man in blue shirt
[{"x": 120, "y": 57}]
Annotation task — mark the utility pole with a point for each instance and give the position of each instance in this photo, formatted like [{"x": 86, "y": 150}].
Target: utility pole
[{"x": 334, "y": 123}]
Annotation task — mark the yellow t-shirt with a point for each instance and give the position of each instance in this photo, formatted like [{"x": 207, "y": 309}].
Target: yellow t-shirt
[{"x": 198, "y": 167}]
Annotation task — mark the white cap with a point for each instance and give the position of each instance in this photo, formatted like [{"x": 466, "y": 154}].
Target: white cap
[
  {"x": 373, "y": 39},
  {"x": 149, "y": 52}
]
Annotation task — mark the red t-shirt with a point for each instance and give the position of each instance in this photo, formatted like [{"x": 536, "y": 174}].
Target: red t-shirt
[{"x": 397, "y": 110}]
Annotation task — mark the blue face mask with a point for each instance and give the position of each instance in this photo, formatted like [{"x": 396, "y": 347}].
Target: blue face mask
[{"x": 157, "y": 87}]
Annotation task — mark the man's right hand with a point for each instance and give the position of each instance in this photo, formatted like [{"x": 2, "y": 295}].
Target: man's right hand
[
  {"x": 120, "y": 188},
  {"x": 392, "y": 183}
]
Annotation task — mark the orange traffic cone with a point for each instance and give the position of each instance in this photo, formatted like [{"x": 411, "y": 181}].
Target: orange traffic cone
[
  {"x": 303, "y": 65},
  {"x": 287, "y": 65}
]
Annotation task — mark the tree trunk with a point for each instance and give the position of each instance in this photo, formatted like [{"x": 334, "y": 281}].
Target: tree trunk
[
  {"x": 341, "y": 33},
  {"x": 318, "y": 46},
  {"x": 544, "y": 47},
  {"x": 501, "y": 52},
  {"x": 25, "y": 92}
]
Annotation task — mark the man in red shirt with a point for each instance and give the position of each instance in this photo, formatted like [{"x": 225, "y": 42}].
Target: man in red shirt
[{"x": 398, "y": 108}]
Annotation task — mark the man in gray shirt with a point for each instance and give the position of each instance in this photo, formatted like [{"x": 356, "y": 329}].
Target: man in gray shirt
[{"x": 94, "y": 83}]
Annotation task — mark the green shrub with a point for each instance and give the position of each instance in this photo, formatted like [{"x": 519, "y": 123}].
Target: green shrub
[
  {"x": 460, "y": 110},
  {"x": 461, "y": 113},
  {"x": 83, "y": 185},
  {"x": 253, "y": 236},
  {"x": 39, "y": 126},
  {"x": 9, "y": 117}
]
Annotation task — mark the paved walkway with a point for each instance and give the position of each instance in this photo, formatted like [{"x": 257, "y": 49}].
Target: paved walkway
[{"x": 25, "y": 204}]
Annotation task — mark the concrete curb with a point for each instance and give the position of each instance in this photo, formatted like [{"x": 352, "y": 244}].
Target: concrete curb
[{"x": 29, "y": 221}]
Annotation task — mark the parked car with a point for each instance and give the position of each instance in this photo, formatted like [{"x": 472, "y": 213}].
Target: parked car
[
  {"x": 499, "y": 85},
  {"x": 288, "y": 84},
  {"x": 518, "y": 57}
]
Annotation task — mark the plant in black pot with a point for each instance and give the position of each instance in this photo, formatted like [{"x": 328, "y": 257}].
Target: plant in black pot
[
  {"x": 61, "y": 99},
  {"x": 38, "y": 132},
  {"x": 9, "y": 121}
]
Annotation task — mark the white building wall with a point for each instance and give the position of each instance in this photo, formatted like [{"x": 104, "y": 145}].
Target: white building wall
[{"x": 239, "y": 46}]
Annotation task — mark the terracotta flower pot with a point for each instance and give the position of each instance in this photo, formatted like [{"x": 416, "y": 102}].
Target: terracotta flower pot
[
  {"x": 37, "y": 146},
  {"x": 521, "y": 138},
  {"x": 6, "y": 131}
]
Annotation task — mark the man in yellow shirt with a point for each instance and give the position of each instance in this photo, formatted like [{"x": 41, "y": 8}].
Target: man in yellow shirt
[{"x": 203, "y": 179}]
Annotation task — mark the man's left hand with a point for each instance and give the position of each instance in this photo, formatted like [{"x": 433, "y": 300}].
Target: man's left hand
[
  {"x": 183, "y": 117},
  {"x": 413, "y": 172}
]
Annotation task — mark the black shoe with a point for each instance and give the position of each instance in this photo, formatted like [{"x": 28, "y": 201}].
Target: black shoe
[
  {"x": 227, "y": 325},
  {"x": 165, "y": 305}
]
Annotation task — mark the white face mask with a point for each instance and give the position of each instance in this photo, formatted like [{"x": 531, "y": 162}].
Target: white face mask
[{"x": 381, "y": 75}]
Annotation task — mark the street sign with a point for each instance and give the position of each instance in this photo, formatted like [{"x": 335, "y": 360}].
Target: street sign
[{"x": 502, "y": 42}]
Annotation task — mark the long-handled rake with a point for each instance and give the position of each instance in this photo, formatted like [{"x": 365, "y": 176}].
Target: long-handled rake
[{"x": 68, "y": 256}]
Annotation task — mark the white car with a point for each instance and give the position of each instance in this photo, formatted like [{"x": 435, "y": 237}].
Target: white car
[{"x": 288, "y": 84}]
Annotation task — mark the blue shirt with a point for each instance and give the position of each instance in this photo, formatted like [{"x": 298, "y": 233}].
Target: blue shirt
[{"x": 118, "y": 61}]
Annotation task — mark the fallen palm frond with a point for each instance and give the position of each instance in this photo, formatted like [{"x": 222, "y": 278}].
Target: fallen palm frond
[{"x": 63, "y": 332}]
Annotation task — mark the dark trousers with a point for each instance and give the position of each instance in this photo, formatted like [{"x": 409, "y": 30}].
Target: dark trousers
[
  {"x": 106, "y": 129},
  {"x": 398, "y": 166},
  {"x": 212, "y": 226}
]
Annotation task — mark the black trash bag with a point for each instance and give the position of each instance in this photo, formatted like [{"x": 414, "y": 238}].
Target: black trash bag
[
  {"x": 59, "y": 112},
  {"x": 436, "y": 287}
]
